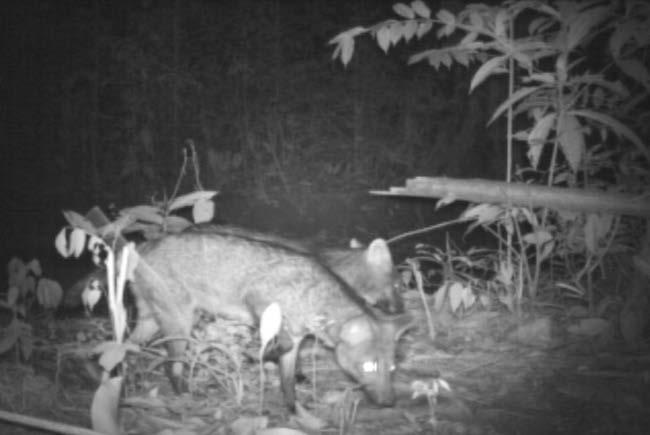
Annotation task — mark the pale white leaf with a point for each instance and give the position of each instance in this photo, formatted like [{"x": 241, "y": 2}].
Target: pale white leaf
[
  {"x": 104, "y": 407},
  {"x": 270, "y": 323},
  {"x": 203, "y": 211},
  {"x": 77, "y": 242},
  {"x": 347, "y": 49},
  {"x": 90, "y": 296},
  {"x": 456, "y": 294},
  {"x": 61, "y": 243},
  {"x": 191, "y": 198}
]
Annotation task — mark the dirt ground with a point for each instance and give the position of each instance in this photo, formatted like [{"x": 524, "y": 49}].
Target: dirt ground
[{"x": 506, "y": 374}]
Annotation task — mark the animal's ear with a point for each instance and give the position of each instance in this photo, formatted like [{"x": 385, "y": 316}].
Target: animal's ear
[
  {"x": 378, "y": 254},
  {"x": 356, "y": 330}
]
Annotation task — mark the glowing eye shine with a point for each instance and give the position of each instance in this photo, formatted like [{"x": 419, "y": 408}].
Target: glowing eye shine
[{"x": 369, "y": 366}]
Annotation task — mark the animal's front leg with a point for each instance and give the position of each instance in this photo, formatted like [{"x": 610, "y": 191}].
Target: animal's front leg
[{"x": 288, "y": 373}]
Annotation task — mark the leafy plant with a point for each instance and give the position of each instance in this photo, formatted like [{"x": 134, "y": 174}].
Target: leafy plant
[
  {"x": 26, "y": 285},
  {"x": 571, "y": 70}
]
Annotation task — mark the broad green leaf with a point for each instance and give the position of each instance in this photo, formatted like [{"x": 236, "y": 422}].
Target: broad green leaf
[
  {"x": 383, "y": 36},
  {"x": 572, "y": 141},
  {"x": 501, "y": 23},
  {"x": 582, "y": 22},
  {"x": 421, "y": 9},
  {"x": 616, "y": 126},
  {"x": 449, "y": 21},
  {"x": 396, "y": 32},
  {"x": 404, "y": 11},
  {"x": 446, "y": 17},
  {"x": 408, "y": 29},
  {"x": 492, "y": 66},
  {"x": 514, "y": 98},
  {"x": 424, "y": 28},
  {"x": 470, "y": 37},
  {"x": 540, "y": 132}
]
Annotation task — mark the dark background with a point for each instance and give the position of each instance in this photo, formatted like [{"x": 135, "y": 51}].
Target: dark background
[{"x": 100, "y": 96}]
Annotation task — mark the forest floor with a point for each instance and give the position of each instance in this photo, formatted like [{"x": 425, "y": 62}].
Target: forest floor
[{"x": 506, "y": 374}]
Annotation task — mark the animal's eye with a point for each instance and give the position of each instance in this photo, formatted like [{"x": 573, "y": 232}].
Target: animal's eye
[
  {"x": 392, "y": 367},
  {"x": 369, "y": 366}
]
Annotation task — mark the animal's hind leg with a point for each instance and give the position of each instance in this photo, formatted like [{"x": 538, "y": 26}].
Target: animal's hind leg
[{"x": 177, "y": 327}]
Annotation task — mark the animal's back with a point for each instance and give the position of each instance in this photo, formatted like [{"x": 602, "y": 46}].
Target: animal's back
[
  {"x": 368, "y": 270},
  {"x": 237, "y": 278}
]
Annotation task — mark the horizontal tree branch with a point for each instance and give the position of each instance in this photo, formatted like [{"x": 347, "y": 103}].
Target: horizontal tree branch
[{"x": 521, "y": 194}]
